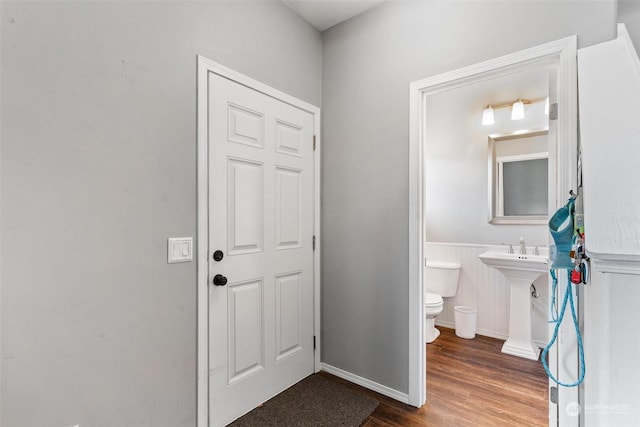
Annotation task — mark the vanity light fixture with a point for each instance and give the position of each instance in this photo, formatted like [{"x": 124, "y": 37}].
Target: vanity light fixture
[
  {"x": 487, "y": 116},
  {"x": 517, "y": 110}
]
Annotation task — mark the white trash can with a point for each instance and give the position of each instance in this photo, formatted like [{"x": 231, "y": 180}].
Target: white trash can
[{"x": 466, "y": 319}]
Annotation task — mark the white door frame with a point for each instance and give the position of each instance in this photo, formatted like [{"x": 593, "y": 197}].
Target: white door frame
[
  {"x": 561, "y": 52},
  {"x": 206, "y": 66}
]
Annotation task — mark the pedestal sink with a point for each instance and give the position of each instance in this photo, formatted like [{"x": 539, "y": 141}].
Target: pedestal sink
[{"x": 521, "y": 271}]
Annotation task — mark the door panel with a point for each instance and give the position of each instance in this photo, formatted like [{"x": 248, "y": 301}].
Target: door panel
[
  {"x": 288, "y": 208},
  {"x": 245, "y": 204},
  {"x": 261, "y": 205},
  {"x": 245, "y": 329},
  {"x": 245, "y": 126},
  {"x": 288, "y": 306},
  {"x": 287, "y": 138}
]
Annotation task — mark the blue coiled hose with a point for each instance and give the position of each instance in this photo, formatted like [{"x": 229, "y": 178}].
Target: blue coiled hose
[{"x": 557, "y": 318}]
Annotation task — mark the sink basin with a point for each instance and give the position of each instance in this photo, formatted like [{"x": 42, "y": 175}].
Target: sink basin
[
  {"x": 520, "y": 271},
  {"x": 528, "y": 267}
]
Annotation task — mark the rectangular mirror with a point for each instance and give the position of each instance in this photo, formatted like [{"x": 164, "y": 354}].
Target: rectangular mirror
[{"x": 518, "y": 171}]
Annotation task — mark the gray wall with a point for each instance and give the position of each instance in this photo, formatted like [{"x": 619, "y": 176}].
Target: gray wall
[
  {"x": 456, "y": 147},
  {"x": 368, "y": 64},
  {"x": 629, "y": 14},
  {"x": 98, "y": 169}
]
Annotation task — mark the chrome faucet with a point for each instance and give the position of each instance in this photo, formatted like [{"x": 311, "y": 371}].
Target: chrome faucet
[
  {"x": 523, "y": 247},
  {"x": 510, "y": 247}
]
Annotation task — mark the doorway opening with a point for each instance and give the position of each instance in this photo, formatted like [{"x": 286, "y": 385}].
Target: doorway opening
[{"x": 559, "y": 59}]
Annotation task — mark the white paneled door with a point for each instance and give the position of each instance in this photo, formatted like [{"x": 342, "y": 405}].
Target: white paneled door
[{"x": 261, "y": 213}]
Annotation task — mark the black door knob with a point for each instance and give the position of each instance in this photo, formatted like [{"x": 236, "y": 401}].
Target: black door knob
[
  {"x": 218, "y": 255},
  {"x": 219, "y": 280}
]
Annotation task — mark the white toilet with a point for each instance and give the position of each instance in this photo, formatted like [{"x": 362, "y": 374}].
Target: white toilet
[{"x": 440, "y": 280}]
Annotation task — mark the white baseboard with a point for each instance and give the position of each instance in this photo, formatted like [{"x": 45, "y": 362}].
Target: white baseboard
[
  {"x": 487, "y": 333},
  {"x": 483, "y": 332},
  {"x": 371, "y": 385},
  {"x": 540, "y": 343}
]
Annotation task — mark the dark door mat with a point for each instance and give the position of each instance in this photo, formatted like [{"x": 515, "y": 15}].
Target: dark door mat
[{"x": 314, "y": 401}]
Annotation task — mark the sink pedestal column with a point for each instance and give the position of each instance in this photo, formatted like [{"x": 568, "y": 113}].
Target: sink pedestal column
[
  {"x": 520, "y": 342},
  {"x": 521, "y": 271}
]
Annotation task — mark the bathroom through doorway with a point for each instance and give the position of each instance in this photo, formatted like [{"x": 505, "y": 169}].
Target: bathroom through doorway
[{"x": 558, "y": 59}]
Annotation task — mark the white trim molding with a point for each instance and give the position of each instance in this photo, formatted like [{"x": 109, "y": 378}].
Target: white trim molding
[
  {"x": 204, "y": 67},
  {"x": 562, "y": 53},
  {"x": 371, "y": 385},
  {"x": 488, "y": 333},
  {"x": 615, "y": 263}
]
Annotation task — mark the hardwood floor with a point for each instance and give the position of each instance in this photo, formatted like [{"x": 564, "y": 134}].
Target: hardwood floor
[{"x": 470, "y": 383}]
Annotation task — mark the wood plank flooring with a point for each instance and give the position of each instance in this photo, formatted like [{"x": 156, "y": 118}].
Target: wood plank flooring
[{"x": 470, "y": 383}]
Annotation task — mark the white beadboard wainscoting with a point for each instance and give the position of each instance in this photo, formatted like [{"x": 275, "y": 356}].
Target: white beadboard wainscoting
[{"x": 486, "y": 290}]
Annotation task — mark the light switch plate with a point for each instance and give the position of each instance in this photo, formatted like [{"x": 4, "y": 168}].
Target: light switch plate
[{"x": 179, "y": 249}]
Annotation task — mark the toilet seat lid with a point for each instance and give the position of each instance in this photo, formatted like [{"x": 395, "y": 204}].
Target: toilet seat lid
[{"x": 432, "y": 299}]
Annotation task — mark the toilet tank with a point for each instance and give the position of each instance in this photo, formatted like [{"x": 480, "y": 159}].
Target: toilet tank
[{"x": 441, "y": 278}]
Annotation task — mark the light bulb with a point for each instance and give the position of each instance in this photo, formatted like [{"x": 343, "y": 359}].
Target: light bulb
[
  {"x": 487, "y": 116},
  {"x": 546, "y": 107},
  {"x": 517, "y": 110}
]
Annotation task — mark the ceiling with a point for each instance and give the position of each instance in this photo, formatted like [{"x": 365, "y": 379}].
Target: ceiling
[{"x": 324, "y": 14}]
